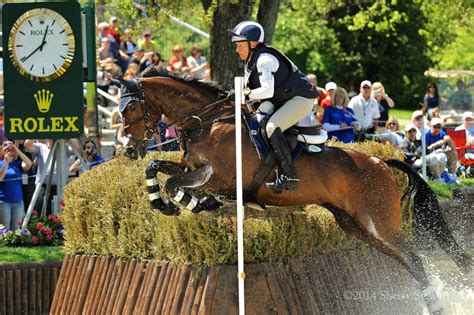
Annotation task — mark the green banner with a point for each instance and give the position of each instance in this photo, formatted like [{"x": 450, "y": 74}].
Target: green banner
[{"x": 42, "y": 60}]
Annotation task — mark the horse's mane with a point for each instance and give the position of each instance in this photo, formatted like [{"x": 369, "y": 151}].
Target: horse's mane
[{"x": 161, "y": 71}]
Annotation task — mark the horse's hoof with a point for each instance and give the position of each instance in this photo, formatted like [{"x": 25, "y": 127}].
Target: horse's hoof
[{"x": 170, "y": 209}]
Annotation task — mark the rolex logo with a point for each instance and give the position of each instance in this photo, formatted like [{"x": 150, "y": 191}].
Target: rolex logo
[{"x": 43, "y": 100}]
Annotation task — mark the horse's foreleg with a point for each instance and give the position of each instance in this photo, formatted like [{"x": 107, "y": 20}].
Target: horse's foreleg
[
  {"x": 192, "y": 179},
  {"x": 157, "y": 201}
]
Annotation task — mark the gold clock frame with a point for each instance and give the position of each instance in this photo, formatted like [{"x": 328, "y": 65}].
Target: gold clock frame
[{"x": 70, "y": 40}]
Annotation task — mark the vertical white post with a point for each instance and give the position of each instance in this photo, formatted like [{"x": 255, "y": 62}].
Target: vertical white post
[
  {"x": 423, "y": 149},
  {"x": 239, "y": 99}
]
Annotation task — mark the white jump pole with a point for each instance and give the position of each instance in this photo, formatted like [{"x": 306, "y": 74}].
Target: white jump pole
[
  {"x": 423, "y": 149},
  {"x": 239, "y": 99}
]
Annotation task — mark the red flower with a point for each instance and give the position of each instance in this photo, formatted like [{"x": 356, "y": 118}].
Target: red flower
[
  {"x": 49, "y": 237},
  {"x": 34, "y": 213},
  {"x": 35, "y": 240},
  {"x": 39, "y": 225},
  {"x": 46, "y": 230}
]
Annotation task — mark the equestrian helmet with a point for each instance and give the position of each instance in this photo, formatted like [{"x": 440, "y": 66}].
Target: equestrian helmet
[{"x": 248, "y": 31}]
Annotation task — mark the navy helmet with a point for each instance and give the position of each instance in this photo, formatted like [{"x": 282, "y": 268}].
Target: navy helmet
[{"x": 248, "y": 31}]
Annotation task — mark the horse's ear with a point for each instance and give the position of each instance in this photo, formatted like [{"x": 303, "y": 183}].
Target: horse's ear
[
  {"x": 131, "y": 85},
  {"x": 115, "y": 82}
]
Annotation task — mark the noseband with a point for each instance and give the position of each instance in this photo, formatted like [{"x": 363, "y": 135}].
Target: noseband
[{"x": 139, "y": 96}]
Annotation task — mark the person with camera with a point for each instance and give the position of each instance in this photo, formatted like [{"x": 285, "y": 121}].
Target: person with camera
[
  {"x": 91, "y": 158},
  {"x": 13, "y": 161}
]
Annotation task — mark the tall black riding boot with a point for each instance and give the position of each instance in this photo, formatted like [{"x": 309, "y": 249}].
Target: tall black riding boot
[{"x": 287, "y": 178}]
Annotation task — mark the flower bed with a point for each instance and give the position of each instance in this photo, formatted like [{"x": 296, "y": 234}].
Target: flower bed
[{"x": 40, "y": 231}]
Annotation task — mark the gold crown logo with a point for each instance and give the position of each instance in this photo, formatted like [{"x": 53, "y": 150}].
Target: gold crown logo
[{"x": 43, "y": 100}]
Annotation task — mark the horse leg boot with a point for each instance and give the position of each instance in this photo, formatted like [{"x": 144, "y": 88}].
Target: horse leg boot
[{"x": 287, "y": 179}]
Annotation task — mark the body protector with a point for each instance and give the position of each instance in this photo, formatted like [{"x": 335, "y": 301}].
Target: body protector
[{"x": 289, "y": 81}]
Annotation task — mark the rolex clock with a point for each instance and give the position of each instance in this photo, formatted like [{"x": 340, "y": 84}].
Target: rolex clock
[
  {"x": 41, "y": 45},
  {"x": 42, "y": 68}
]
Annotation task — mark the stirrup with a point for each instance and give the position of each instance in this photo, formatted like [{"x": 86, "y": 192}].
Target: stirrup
[{"x": 283, "y": 182}]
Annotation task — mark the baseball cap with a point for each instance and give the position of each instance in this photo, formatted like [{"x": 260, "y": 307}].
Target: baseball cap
[
  {"x": 436, "y": 121},
  {"x": 366, "y": 82},
  {"x": 330, "y": 86},
  {"x": 416, "y": 113},
  {"x": 410, "y": 127},
  {"x": 467, "y": 115}
]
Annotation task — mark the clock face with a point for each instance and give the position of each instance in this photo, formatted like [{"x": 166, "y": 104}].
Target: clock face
[{"x": 41, "y": 45}]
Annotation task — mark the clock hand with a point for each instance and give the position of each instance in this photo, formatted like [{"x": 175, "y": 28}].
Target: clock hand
[
  {"x": 44, "y": 38},
  {"x": 40, "y": 47},
  {"x": 25, "y": 58}
]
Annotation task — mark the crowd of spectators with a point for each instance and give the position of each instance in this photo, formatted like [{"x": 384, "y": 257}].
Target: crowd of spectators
[{"x": 366, "y": 116}]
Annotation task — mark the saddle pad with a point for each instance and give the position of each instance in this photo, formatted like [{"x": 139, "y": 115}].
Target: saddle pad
[{"x": 314, "y": 139}]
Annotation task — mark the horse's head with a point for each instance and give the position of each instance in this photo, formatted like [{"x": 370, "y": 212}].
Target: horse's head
[{"x": 139, "y": 117}]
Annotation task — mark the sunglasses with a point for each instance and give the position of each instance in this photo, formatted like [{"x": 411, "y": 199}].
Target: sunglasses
[
  {"x": 437, "y": 127},
  {"x": 366, "y": 87},
  {"x": 418, "y": 117}
]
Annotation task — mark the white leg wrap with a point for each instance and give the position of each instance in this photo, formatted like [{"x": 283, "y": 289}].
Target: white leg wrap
[
  {"x": 154, "y": 196},
  {"x": 151, "y": 182},
  {"x": 192, "y": 204},
  {"x": 179, "y": 196}
]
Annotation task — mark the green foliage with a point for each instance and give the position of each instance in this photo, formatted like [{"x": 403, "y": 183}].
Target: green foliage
[
  {"x": 28, "y": 254},
  {"x": 108, "y": 213}
]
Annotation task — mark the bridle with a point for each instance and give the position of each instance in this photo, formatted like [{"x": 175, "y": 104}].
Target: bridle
[{"x": 139, "y": 96}]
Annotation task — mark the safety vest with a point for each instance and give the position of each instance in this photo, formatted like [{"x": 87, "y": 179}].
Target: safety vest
[{"x": 289, "y": 80}]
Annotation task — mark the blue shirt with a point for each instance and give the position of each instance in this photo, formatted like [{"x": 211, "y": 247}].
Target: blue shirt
[
  {"x": 97, "y": 160},
  {"x": 430, "y": 139},
  {"x": 10, "y": 186},
  {"x": 335, "y": 116}
]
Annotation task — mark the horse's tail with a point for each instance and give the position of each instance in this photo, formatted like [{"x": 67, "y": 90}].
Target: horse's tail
[{"x": 427, "y": 213}]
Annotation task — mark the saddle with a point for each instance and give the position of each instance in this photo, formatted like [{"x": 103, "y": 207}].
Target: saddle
[{"x": 301, "y": 139}]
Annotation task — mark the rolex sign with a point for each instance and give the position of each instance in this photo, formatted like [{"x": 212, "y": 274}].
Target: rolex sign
[{"x": 42, "y": 70}]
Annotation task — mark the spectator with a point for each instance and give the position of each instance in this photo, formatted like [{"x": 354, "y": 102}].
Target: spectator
[
  {"x": 114, "y": 30},
  {"x": 314, "y": 81},
  {"x": 467, "y": 124},
  {"x": 366, "y": 110},
  {"x": 461, "y": 99},
  {"x": 411, "y": 147},
  {"x": 128, "y": 45},
  {"x": 339, "y": 120},
  {"x": 178, "y": 63},
  {"x": 441, "y": 150},
  {"x": 132, "y": 72},
  {"x": 432, "y": 101},
  {"x": 385, "y": 103},
  {"x": 329, "y": 87},
  {"x": 419, "y": 123},
  {"x": 107, "y": 59},
  {"x": 28, "y": 176},
  {"x": 91, "y": 158},
  {"x": 197, "y": 62},
  {"x": 12, "y": 209},
  {"x": 207, "y": 75},
  {"x": 116, "y": 124},
  {"x": 170, "y": 134},
  {"x": 392, "y": 134},
  {"x": 147, "y": 44}
]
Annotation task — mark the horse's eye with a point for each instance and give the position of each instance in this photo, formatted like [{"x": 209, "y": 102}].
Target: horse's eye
[{"x": 133, "y": 107}]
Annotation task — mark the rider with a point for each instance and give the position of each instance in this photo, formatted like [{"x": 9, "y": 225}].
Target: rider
[{"x": 272, "y": 78}]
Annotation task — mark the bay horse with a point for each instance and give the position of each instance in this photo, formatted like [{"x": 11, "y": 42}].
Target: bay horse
[{"x": 359, "y": 190}]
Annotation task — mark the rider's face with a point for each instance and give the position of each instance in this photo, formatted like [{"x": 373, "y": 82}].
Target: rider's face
[{"x": 242, "y": 49}]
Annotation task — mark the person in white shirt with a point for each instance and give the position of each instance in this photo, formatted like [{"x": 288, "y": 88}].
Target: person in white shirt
[
  {"x": 467, "y": 124},
  {"x": 197, "y": 62},
  {"x": 366, "y": 109}
]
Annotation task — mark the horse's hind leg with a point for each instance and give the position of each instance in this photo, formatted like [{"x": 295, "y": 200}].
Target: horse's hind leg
[{"x": 392, "y": 244}]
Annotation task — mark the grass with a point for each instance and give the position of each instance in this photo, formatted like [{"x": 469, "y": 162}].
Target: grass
[
  {"x": 29, "y": 254},
  {"x": 445, "y": 191},
  {"x": 404, "y": 114}
]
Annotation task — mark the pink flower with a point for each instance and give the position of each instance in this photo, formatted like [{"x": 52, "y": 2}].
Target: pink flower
[
  {"x": 39, "y": 225},
  {"x": 34, "y": 213},
  {"x": 35, "y": 240},
  {"x": 49, "y": 237}
]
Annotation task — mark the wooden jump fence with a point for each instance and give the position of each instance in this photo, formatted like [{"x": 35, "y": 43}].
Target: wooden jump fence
[
  {"x": 28, "y": 288},
  {"x": 353, "y": 281}
]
